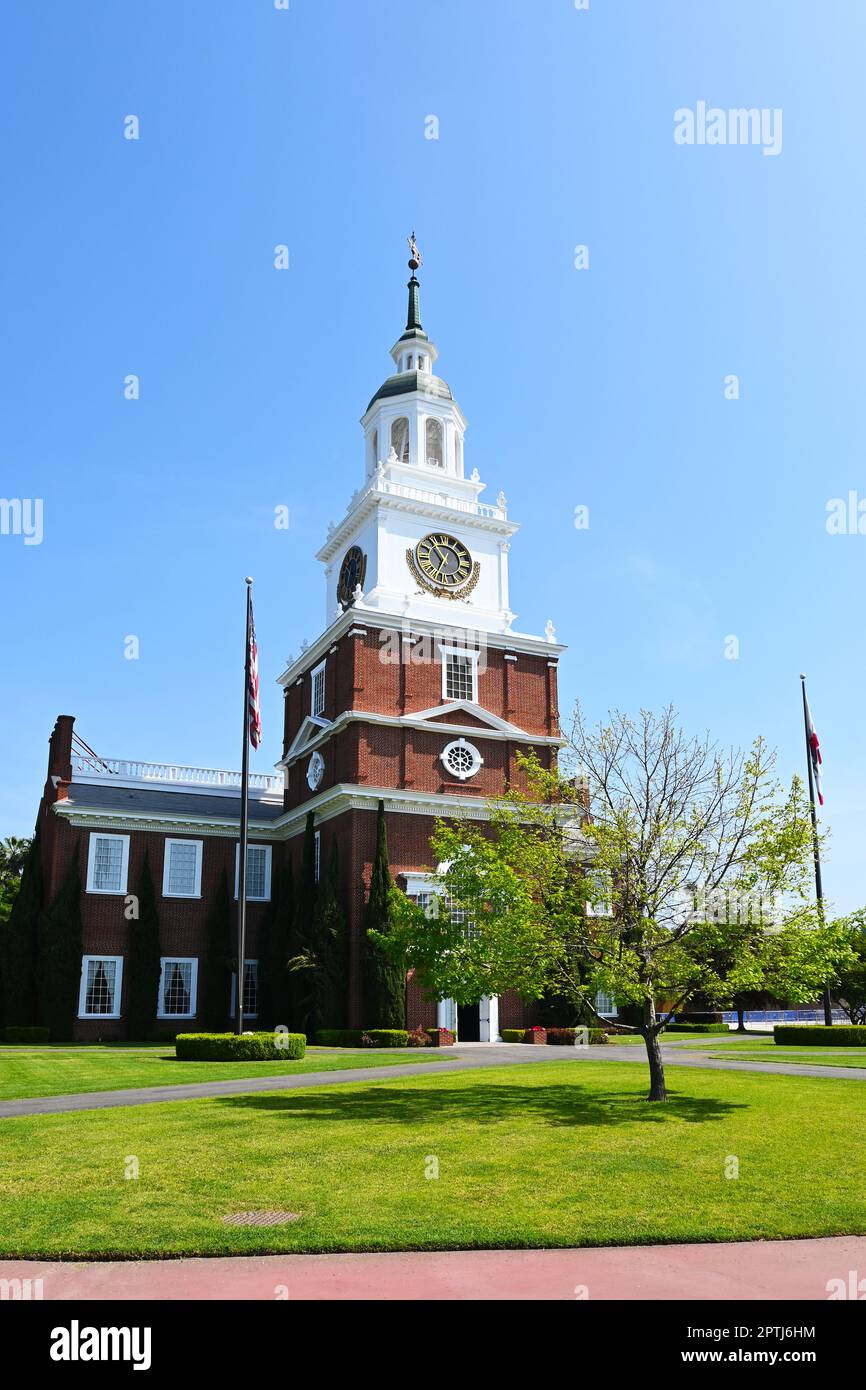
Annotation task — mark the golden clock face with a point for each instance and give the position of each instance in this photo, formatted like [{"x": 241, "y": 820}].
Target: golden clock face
[{"x": 444, "y": 561}]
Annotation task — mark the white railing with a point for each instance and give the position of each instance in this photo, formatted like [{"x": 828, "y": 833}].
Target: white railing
[
  {"x": 440, "y": 499},
  {"x": 131, "y": 770}
]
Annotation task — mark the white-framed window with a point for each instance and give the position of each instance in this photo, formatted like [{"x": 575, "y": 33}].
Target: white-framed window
[
  {"x": 459, "y": 674},
  {"x": 107, "y": 863},
  {"x": 178, "y": 987},
  {"x": 435, "y": 445},
  {"x": 317, "y": 855},
  {"x": 251, "y": 990},
  {"x": 181, "y": 870},
  {"x": 101, "y": 981},
  {"x": 315, "y": 770},
  {"x": 258, "y": 873},
  {"x": 605, "y": 1004},
  {"x": 317, "y": 689},
  {"x": 461, "y": 759}
]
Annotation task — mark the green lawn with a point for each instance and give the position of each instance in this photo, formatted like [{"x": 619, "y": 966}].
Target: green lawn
[
  {"x": 54, "y": 1071},
  {"x": 545, "y": 1155},
  {"x": 820, "y": 1056}
]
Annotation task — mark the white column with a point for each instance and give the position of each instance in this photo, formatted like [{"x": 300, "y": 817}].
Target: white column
[
  {"x": 446, "y": 1014},
  {"x": 504, "y": 547}
]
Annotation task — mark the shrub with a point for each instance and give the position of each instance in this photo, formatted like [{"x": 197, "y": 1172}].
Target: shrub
[
  {"x": 418, "y": 1037},
  {"x": 696, "y": 1017},
  {"x": 819, "y": 1035},
  {"x": 513, "y": 1034},
  {"x": 683, "y": 1027},
  {"x": 355, "y": 1037},
  {"x": 564, "y": 1037},
  {"x": 249, "y": 1047},
  {"x": 34, "y": 1036}
]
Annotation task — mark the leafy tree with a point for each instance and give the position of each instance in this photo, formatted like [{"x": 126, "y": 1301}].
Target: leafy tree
[
  {"x": 219, "y": 960},
  {"x": 275, "y": 981},
  {"x": 330, "y": 951},
  {"x": 383, "y": 969},
  {"x": 13, "y": 857},
  {"x": 301, "y": 939},
  {"x": 686, "y": 844},
  {"x": 851, "y": 979},
  {"x": 18, "y": 936},
  {"x": 59, "y": 940},
  {"x": 143, "y": 959}
]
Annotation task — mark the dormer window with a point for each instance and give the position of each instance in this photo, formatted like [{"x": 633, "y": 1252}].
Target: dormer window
[{"x": 435, "y": 453}]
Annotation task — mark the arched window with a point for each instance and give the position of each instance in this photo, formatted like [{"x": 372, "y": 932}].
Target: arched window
[
  {"x": 435, "y": 452},
  {"x": 400, "y": 439}
]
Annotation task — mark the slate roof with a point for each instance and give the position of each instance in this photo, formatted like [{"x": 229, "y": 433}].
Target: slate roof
[{"x": 102, "y": 796}]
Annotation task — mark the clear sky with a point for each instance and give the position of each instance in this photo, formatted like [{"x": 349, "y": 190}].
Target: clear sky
[{"x": 602, "y": 387}]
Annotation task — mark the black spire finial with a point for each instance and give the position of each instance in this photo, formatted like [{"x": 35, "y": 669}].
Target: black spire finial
[{"x": 413, "y": 318}]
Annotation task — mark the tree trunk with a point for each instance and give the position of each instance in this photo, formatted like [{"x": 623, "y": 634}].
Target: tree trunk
[
  {"x": 741, "y": 1024},
  {"x": 657, "y": 1090}
]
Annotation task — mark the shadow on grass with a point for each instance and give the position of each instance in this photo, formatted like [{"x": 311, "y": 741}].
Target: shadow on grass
[{"x": 558, "y": 1104}]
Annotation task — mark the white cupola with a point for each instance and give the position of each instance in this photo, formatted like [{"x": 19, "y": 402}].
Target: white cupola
[{"x": 413, "y": 419}]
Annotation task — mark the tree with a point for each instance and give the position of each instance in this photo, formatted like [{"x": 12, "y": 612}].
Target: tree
[
  {"x": 14, "y": 853},
  {"x": 300, "y": 941},
  {"x": 275, "y": 982},
  {"x": 323, "y": 963},
  {"x": 383, "y": 969},
  {"x": 851, "y": 979},
  {"x": 18, "y": 935},
  {"x": 219, "y": 960},
  {"x": 59, "y": 942},
  {"x": 648, "y": 876},
  {"x": 143, "y": 959}
]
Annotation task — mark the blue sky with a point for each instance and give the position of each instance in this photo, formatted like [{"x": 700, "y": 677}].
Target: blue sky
[{"x": 602, "y": 387}]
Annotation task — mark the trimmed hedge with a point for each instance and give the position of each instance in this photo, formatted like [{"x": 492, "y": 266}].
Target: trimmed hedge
[
  {"x": 249, "y": 1047},
  {"x": 696, "y": 1028},
  {"x": 564, "y": 1037},
  {"x": 34, "y": 1036},
  {"x": 713, "y": 1017},
  {"x": 556, "y": 1037},
  {"x": 355, "y": 1037},
  {"x": 819, "y": 1035}
]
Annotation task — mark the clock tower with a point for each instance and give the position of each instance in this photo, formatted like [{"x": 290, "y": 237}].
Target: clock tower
[{"x": 419, "y": 692}]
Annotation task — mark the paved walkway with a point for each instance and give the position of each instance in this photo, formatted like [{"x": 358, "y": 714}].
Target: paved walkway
[
  {"x": 465, "y": 1057},
  {"x": 767, "y": 1270}
]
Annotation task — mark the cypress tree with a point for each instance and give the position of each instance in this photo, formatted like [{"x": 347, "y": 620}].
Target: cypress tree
[
  {"x": 301, "y": 938},
  {"x": 60, "y": 949},
  {"x": 329, "y": 953},
  {"x": 19, "y": 943},
  {"x": 143, "y": 962},
  {"x": 275, "y": 981},
  {"x": 218, "y": 961},
  {"x": 383, "y": 981}
]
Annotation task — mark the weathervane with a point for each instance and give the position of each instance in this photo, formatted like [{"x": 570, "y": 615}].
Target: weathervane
[{"x": 415, "y": 258}]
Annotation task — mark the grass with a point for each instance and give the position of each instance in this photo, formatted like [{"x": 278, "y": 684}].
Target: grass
[
  {"x": 560, "y": 1154},
  {"x": 54, "y": 1071},
  {"x": 838, "y": 1056}
]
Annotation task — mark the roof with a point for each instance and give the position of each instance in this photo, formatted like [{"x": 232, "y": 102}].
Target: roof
[
  {"x": 86, "y": 796},
  {"x": 404, "y": 383}
]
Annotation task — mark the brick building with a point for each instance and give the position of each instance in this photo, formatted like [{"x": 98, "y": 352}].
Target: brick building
[{"x": 419, "y": 692}]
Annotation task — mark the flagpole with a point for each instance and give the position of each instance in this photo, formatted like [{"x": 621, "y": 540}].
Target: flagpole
[
  {"x": 242, "y": 850},
  {"x": 819, "y": 888}
]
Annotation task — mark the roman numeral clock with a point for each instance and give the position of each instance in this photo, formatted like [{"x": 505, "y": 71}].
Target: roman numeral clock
[{"x": 443, "y": 565}]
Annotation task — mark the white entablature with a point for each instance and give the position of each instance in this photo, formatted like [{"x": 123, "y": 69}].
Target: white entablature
[{"x": 415, "y": 486}]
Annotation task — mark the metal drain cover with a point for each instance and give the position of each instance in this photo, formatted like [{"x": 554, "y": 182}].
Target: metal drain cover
[{"x": 261, "y": 1218}]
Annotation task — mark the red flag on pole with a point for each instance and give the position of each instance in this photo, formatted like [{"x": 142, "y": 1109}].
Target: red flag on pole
[
  {"x": 814, "y": 751},
  {"x": 253, "y": 712}
]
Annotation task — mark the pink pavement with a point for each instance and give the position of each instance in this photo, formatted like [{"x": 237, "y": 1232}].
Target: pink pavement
[{"x": 770, "y": 1270}]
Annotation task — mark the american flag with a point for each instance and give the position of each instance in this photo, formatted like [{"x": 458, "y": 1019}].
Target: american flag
[
  {"x": 814, "y": 751},
  {"x": 253, "y": 712}
]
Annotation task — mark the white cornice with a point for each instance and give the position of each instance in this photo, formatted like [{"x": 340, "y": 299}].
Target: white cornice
[
  {"x": 103, "y": 818},
  {"x": 370, "y": 502},
  {"x": 506, "y": 733},
  {"x": 522, "y": 643}
]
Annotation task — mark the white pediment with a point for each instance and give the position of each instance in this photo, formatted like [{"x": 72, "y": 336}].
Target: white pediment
[
  {"x": 307, "y": 734},
  {"x": 456, "y": 707}
]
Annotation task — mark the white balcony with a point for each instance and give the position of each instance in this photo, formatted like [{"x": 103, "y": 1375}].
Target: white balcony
[{"x": 165, "y": 776}]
